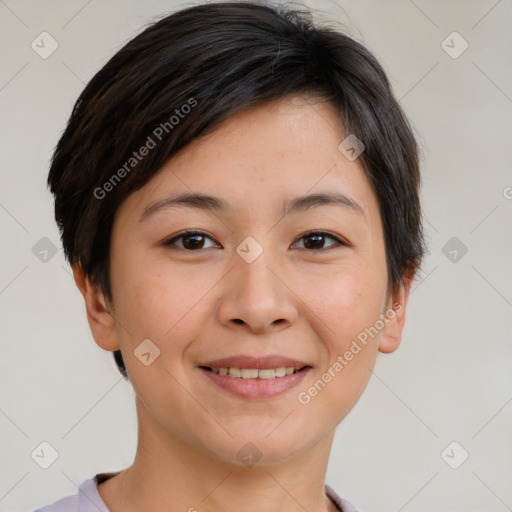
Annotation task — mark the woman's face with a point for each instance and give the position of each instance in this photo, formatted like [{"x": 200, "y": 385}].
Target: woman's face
[{"x": 251, "y": 285}]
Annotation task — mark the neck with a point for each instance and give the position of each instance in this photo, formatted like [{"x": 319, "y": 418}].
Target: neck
[{"x": 168, "y": 474}]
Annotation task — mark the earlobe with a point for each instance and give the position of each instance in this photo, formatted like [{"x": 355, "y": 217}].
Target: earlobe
[
  {"x": 391, "y": 334},
  {"x": 101, "y": 321}
]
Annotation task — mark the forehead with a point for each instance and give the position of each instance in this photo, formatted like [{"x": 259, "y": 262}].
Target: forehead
[{"x": 271, "y": 153}]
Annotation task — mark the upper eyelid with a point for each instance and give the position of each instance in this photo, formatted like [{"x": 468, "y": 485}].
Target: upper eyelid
[{"x": 339, "y": 239}]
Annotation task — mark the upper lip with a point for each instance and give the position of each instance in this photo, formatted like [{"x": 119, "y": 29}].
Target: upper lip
[{"x": 245, "y": 361}]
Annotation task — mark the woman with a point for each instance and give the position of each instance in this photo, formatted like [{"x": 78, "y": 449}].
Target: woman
[{"x": 238, "y": 195}]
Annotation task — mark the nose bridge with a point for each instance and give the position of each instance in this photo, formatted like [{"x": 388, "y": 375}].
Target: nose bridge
[{"x": 254, "y": 271}]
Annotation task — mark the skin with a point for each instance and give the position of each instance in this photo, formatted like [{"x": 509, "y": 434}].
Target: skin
[{"x": 207, "y": 303}]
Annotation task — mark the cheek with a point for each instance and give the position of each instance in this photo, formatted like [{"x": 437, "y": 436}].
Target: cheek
[
  {"x": 350, "y": 306},
  {"x": 161, "y": 301},
  {"x": 348, "y": 302}
]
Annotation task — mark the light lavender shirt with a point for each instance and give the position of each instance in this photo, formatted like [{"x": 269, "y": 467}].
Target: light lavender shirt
[{"x": 88, "y": 498}]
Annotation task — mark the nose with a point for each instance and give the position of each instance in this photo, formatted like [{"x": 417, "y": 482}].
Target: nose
[{"x": 257, "y": 297}]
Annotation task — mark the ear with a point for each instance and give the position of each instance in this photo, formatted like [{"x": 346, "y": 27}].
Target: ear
[
  {"x": 391, "y": 334},
  {"x": 99, "y": 312}
]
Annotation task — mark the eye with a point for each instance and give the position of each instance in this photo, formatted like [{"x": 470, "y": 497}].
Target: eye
[
  {"x": 192, "y": 240},
  {"x": 316, "y": 240},
  {"x": 195, "y": 240}
]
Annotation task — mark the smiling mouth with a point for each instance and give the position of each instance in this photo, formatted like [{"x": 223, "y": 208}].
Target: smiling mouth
[{"x": 255, "y": 373}]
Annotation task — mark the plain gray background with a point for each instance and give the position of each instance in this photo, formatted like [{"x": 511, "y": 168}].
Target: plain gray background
[{"x": 450, "y": 381}]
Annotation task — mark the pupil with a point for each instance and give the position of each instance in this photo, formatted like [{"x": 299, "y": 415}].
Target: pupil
[
  {"x": 319, "y": 238},
  {"x": 197, "y": 244}
]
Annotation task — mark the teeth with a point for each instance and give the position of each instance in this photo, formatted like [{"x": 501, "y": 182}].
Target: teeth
[
  {"x": 280, "y": 372},
  {"x": 249, "y": 373},
  {"x": 254, "y": 373},
  {"x": 235, "y": 372},
  {"x": 267, "y": 373}
]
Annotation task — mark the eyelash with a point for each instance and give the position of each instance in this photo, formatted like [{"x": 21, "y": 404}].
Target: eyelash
[{"x": 184, "y": 234}]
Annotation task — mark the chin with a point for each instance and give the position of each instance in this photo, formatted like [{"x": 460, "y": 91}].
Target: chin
[{"x": 260, "y": 446}]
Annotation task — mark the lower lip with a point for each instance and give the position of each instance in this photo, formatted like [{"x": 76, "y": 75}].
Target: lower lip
[{"x": 256, "y": 388}]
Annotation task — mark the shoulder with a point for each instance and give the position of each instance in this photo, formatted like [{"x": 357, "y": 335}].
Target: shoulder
[
  {"x": 342, "y": 504},
  {"x": 66, "y": 504},
  {"x": 86, "y": 499}
]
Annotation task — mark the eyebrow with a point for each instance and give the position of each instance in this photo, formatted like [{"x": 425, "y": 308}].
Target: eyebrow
[{"x": 208, "y": 202}]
